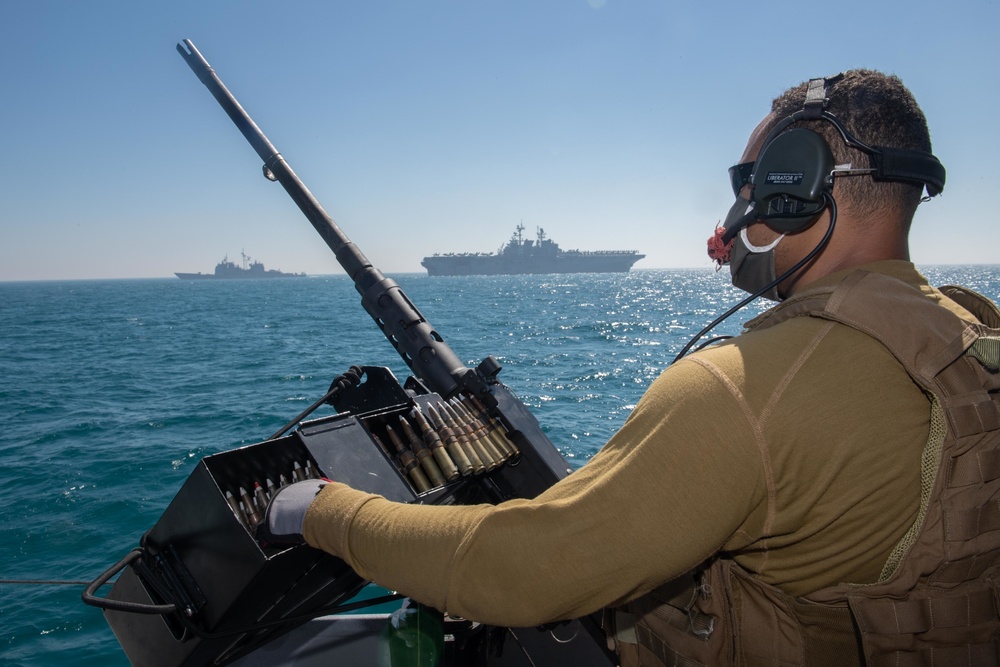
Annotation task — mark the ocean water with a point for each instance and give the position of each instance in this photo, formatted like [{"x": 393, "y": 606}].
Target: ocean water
[{"x": 112, "y": 391}]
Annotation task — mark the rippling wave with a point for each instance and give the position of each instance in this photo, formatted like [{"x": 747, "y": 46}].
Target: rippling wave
[{"x": 112, "y": 391}]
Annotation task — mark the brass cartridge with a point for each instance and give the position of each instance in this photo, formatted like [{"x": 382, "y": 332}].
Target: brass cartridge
[
  {"x": 476, "y": 424},
  {"x": 447, "y": 466},
  {"x": 408, "y": 462},
  {"x": 237, "y": 510},
  {"x": 453, "y": 441},
  {"x": 249, "y": 507},
  {"x": 462, "y": 429},
  {"x": 454, "y": 450},
  {"x": 416, "y": 473},
  {"x": 312, "y": 472},
  {"x": 493, "y": 427},
  {"x": 423, "y": 455},
  {"x": 493, "y": 435},
  {"x": 298, "y": 474},
  {"x": 259, "y": 497}
]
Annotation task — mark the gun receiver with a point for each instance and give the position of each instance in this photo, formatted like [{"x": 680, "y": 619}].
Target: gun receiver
[{"x": 420, "y": 346}]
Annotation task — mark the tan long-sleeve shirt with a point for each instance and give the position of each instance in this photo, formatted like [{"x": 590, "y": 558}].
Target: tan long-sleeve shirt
[{"x": 794, "y": 449}]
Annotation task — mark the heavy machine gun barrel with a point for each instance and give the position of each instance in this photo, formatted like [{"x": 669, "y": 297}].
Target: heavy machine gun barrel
[{"x": 413, "y": 337}]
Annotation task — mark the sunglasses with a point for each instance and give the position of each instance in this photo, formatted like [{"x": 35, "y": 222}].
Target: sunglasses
[{"x": 739, "y": 175}]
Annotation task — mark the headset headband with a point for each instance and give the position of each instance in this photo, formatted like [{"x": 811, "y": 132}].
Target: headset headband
[
  {"x": 886, "y": 164},
  {"x": 804, "y": 160}
]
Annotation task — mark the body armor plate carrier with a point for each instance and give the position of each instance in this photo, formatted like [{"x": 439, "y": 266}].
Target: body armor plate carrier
[{"x": 936, "y": 600}]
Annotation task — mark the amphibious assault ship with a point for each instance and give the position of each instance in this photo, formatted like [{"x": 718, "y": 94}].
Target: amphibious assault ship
[
  {"x": 230, "y": 269},
  {"x": 520, "y": 255}
]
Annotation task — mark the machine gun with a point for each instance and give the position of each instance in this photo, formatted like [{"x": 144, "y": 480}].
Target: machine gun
[{"x": 201, "y": 590}]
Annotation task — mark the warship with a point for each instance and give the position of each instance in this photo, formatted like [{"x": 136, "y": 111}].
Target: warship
[
  {"x": 520, "y": 255},
  {"x": 229, "y": 269}
]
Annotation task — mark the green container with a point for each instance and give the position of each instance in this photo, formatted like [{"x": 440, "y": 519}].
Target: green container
[{"x": 413, "y": 637}]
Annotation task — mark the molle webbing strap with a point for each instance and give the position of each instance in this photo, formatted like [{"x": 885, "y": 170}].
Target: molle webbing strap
[
  {"x": 918, "y": 615},
  {"x": 964, "y": 569},
  {"x": 977, "y": 467},
  {"x": 967, "y": 524},
  {"x": 973, "y": 655},
  {"x": 967, "y": 389},
  {"x": 954, "y": 629},
  {"x": 970, "y": 469}
]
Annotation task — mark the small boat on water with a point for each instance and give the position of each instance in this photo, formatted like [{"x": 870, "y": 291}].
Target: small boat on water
[{"x": 249, "y": 269}]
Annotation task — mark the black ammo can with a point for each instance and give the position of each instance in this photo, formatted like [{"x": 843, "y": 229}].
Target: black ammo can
[{"x": 201, "y": 551}]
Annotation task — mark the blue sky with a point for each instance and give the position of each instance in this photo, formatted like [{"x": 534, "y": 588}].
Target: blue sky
[{"x": 440, "y": 125}]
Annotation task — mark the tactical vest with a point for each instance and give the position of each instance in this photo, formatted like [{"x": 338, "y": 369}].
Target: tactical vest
[{"x": 936, "y": 601}]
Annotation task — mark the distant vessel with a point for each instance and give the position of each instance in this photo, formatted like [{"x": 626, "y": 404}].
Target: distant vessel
[
  {"x": 250, "y": 269},
  {"x": 520, "y": 255}
]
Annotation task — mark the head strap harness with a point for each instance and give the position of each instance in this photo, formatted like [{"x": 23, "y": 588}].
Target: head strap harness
[
  {"x": 886, "y": 164},
  {"x": 816, "y": 99}
]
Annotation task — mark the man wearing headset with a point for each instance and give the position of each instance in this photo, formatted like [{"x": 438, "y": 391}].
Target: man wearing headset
[{"x": 820, "y": 490}]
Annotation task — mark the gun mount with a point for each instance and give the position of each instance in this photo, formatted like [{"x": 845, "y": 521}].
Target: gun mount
[{"x": 200, "y": 589}]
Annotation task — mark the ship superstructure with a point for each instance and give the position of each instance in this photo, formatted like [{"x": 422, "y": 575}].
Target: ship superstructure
[
  {"x": 248, "y": 269},
  {"x": 524, "y": 256}
]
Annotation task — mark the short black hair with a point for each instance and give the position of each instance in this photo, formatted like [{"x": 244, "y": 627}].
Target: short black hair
[{"x": 879, "y": 111}]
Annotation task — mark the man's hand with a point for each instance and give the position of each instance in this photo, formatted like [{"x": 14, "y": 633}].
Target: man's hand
[{"x": 286, "y": 513}]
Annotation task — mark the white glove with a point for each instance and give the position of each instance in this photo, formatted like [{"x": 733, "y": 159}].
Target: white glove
[{"x": 285, "y": 516}]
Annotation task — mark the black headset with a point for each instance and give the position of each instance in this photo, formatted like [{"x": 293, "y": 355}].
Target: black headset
[{"x": 793, "y": 175}]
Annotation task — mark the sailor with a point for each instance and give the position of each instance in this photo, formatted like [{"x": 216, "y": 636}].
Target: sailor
[{"x": 820, "y": 490}]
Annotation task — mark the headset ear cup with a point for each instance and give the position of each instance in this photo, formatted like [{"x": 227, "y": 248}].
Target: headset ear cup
[{"x": 791, "y": 178}]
